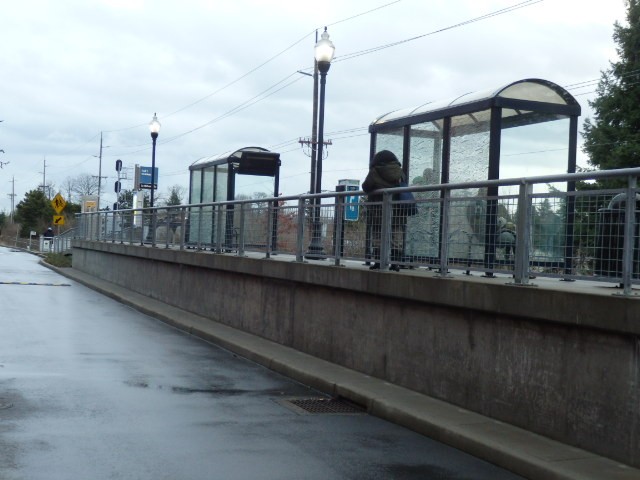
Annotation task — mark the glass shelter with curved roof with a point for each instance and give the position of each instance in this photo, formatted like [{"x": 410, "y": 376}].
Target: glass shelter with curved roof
[
  {"x": 250, "y": 172},
  {"x": 525, "y": 128}
]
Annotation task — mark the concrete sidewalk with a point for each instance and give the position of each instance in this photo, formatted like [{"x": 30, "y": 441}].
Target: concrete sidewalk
[{"x": 520, "y": 451}]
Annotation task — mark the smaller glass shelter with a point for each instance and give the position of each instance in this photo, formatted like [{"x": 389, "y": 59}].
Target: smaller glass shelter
[
  {"x": 250, "y": 172},
  {"x": 525, "y": 128}
]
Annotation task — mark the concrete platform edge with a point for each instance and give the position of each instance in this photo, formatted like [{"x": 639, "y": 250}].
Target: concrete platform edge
[{"x": 522, "y": 452}]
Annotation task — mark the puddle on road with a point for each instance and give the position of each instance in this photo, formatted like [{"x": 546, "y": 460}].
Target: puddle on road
[{"x": 220, "y": 391}]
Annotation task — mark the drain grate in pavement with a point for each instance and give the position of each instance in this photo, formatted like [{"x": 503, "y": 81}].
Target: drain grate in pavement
[{"x": 321, "y": 405}]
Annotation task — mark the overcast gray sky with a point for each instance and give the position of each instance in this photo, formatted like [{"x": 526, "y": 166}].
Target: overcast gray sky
[{"x": 75, "y": 68}]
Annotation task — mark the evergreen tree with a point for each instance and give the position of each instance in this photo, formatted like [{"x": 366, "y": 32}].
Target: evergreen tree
[
  {"x": 34, "y": 212},
  {"x": 125, "y": 199},
  {"x": 176, "y": 194},
  {"x": 612, "y": 138}
]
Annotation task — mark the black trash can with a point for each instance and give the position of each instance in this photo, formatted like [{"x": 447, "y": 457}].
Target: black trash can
[{"x": 610, "y": 238}]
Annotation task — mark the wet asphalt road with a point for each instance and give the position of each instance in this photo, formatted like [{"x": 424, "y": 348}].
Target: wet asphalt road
[{"x": 91, "y": 389}]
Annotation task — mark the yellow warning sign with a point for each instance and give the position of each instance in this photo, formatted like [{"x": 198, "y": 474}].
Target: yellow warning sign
[
  {"x": 58, "y": 220},
  {"x": 58, "y": 203}
]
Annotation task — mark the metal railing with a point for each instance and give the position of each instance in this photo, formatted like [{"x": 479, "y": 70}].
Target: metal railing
[{"x": 523, "y": 227}]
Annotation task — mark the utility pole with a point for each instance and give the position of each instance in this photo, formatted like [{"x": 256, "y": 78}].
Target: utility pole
[
  {"x": 12, "y": 195},
  {"x": 99, "y": 172},
  {"x": 44, "y": 176}
]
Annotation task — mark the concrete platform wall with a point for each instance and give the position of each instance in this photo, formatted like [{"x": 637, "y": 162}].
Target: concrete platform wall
[{"x": 561, "y": 363}]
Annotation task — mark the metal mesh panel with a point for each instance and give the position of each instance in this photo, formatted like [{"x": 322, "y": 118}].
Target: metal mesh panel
[{"x": 583, "y": 234}]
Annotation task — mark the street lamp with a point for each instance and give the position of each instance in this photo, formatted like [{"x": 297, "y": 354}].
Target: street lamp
[
  {"x": 154, "y": 127},
  {"x": 324, "y": 51}
]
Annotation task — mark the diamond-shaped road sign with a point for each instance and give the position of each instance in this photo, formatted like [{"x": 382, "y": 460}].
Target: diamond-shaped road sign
[{"x": 58, "y": 203}]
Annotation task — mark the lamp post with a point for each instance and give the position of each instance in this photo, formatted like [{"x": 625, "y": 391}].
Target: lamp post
[
  {"x": 154, "y": 127},
  {"x": 324, "y": 51}
]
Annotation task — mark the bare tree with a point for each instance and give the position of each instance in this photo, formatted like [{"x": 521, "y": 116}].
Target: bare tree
[
  {"x": 67, "y": 188},
  {"x": 79, "y": 186}
]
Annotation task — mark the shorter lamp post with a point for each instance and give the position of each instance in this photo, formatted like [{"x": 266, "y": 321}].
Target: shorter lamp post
[
  {"x": 154, "y": 127},
  {"x": 324, "y": 51}
]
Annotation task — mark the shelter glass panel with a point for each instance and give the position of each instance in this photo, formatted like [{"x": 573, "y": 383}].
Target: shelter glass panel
[
  {"x": 425, "y": 157},
  {"x": 205, "y": 223},
  {"x": 222, "y": 176},
  {"x": 220, "y": 195},
  {"x": 469, "y": 158},
  {"x": 425, "y": 168},
  {"x": 207, "y": 185},
  {"x": 531, "y": 149},
  {"x": 253, "y": 186},
  {"x": 391, "y": 140},
  {"x": 469, "y": 161},
  {"x": 194, "y": 194},
  {"x": 200, "y": 219}
]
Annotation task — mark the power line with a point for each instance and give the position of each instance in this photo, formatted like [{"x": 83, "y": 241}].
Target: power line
[
  {"x": 253, "y": 101},
  {"x": 360, "y": 53},
  {"x": 253, "y": 70},
  {"x": 363, "y": 13},
  {"x": 344, "y": 57}
]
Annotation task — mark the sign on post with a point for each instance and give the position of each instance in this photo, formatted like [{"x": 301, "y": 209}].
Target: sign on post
[
  {"x": 89, "y": 204},
  {"x": 58, "y": 220},
  {"x": 58, "y": 203},
  {"x": 145, "y": 178},
  {"x": 351, "y": 202}
]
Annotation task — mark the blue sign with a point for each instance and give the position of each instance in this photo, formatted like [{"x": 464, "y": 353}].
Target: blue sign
[
  {"x": 145, "y": 178},
  {"x": 351, "y": 204}
]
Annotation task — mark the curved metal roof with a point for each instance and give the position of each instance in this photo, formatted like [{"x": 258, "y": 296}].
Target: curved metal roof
[
  {"x": 530, "y": 95},
  {"x": 223, "y": 158}
]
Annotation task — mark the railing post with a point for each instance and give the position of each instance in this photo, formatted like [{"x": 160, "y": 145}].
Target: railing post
[
  {"x": 113, "y": 227},
  {"x": 444, "y": 246},
  {"x": 142, "y": 227},
  {"x": 300, "y": 230},
  {"x": 168, "y": 222},
  {"x": 270, "y": 212},
  {"x": 218, "y": 217},
  {"x": 154, "y": 219},
  {"x": 121, "y": 228},
  {"x": 339, "y": 225},
  {"x": 385, "y": 231},
  {"x": 629, "y": 236},
  {"x": 241, "y": 232},
  {"x": 99, "y": 227},
  {"x": 132, "y": 227},
  {"x": 523, "y": 229},
  {"x": 183, "y": 227},
  {"x": 200, "y": 228}
]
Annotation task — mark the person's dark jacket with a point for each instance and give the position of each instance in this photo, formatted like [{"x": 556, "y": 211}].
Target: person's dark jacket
[{"x": 385, "y": 172}]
